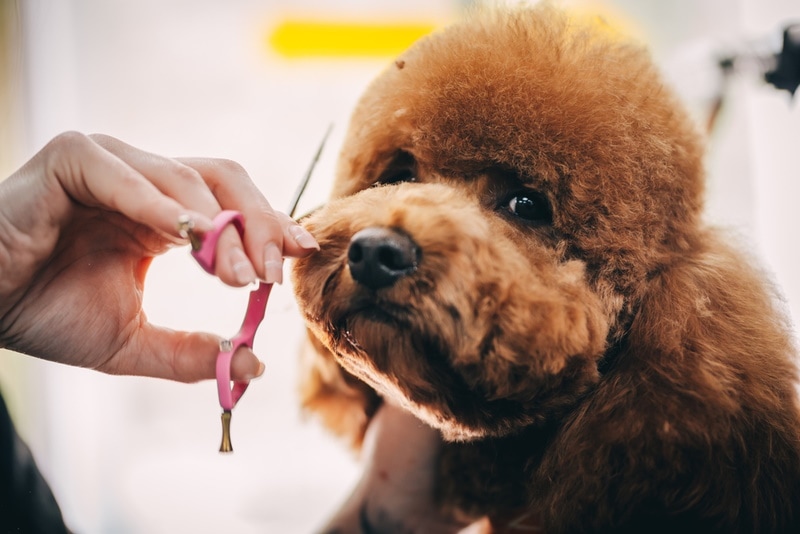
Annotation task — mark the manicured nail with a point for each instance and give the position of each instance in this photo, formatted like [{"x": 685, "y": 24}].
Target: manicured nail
[
  {"x": 242, "y": 270},
  {"x": 303, "y": 238},
  {"x": 273, "y": 264},
  {"x": 259, "y": 372}
]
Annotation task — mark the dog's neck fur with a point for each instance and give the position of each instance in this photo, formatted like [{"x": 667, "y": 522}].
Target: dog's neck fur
[{"x": 609, "y": 359}]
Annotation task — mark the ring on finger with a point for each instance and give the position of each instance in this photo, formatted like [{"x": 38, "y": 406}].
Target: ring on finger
[{"x": 186, "y": 231}]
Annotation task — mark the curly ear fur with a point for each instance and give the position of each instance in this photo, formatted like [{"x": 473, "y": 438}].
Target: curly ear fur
[
  {"x": 696, "y": 421},
  {"x": 693, "y": 428}
]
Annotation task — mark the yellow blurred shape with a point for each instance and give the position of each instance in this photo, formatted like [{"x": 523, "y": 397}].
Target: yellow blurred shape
[
  {"x": 308, "y": 38},
  {"x": 610, "y": 23}
]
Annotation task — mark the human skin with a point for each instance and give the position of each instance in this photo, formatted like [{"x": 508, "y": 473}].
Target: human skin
[{"x": 79, "y": 226}]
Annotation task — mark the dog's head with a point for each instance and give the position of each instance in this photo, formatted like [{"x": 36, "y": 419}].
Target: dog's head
[{"x": 505, "y": 191}]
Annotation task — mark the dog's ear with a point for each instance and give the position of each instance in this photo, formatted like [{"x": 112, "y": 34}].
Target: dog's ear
[
  {"x": 705, "y": 371},
  {"x": 546, "y": 346},
  {"x": 344, "y": 403}
]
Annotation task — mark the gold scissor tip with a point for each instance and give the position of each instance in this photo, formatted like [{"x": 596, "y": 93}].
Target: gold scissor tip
[{"x": 226, "y": 445}]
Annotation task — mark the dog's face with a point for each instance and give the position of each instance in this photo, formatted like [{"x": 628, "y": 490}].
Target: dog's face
[{"x": 505, "y": 191}]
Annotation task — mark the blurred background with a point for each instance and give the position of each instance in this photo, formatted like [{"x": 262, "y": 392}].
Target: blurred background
[{"x": 259, "y": 82}]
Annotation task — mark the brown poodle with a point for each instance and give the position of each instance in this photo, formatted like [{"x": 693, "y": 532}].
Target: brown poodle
[{"x": 515, "y": 255}]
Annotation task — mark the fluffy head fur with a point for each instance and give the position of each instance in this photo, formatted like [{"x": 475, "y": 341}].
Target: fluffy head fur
[{"x": 567, "y": 307}]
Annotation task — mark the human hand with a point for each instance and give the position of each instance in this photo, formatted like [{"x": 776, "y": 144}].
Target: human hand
[{"x": 79, "y": 225}]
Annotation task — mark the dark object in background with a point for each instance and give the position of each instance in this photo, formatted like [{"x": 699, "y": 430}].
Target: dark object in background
[
  {"x": 779, "y": 69},
  {"x": 27, "y": 505},
  {"x": 786, "y": 74}
]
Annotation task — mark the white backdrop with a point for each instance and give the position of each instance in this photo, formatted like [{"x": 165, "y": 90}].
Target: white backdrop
[{"x": 196, "y": 78}]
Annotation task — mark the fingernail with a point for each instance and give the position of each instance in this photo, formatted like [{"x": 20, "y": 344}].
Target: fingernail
[
  {"x": 273, "y": 264},
  {"x": 242, "y": 270},
  {"x": 303, "y": 238},
  {"x": 258, "y": 373}
]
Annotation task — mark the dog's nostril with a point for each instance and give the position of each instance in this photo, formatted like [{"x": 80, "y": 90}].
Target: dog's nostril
[
  {"x": 380, "y": 256},
  {"x": 394, "y": 258},
  {"x": 355, "y": 253}
]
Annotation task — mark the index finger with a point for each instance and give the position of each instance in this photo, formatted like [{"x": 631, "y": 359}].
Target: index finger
[
  {"x": 95, "y": 176},
  {"x": 187, "y": 186}
]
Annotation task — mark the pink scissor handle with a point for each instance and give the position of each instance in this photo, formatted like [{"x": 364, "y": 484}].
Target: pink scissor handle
[
  {"x": 206, "y": 257},
  {"x": 228, "y": 397}
]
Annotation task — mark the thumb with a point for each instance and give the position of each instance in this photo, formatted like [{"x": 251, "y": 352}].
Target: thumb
[{"x": 160, "y": 352}]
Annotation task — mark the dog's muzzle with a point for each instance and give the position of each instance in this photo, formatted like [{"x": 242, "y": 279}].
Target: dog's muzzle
[{"x": 379, "y": 256}]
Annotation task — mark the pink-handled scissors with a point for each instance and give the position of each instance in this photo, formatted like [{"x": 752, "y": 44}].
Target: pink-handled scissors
[{"x": 204, "y": 250}]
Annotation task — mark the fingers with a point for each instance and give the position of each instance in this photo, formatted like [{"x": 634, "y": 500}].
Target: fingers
[
  {"x": 171, "y": 177},
  {"x": 297, "y": 241},
  {"x": 269, "y": 235},
  {"x": 208, "y": 185},
  {"x": 182, "y": 356},
  {"x": 187, "y": 186},
  {"x": 156, "y": 191},
  {"x": 83, "y": 169}
]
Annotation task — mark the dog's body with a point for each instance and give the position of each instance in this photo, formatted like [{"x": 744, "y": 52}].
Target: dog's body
[{"x": 532, "y": 279}]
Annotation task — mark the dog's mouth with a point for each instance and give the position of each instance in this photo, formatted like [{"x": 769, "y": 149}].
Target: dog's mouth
[
  {"x": 372, "y": 324},
  {"x": 366, "y": 286},
  {"x": 400, "y": 339},
  {"x": 387, "y": 313}
]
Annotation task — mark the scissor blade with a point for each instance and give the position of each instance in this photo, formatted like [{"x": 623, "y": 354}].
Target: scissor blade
[{"x": 302, "y": 187}]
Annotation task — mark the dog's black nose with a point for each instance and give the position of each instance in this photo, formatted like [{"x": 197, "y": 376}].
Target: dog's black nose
[{"x": 379, "y": 256}]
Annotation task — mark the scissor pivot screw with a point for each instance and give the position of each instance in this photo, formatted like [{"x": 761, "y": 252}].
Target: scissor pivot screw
[{"x": 186, "y": 231}]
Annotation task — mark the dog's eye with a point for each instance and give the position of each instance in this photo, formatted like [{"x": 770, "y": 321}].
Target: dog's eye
[
  {"x": 396, "y": 176},
  {"x": 529, "y": 205},
  {"x": 402, "y": 168}
]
